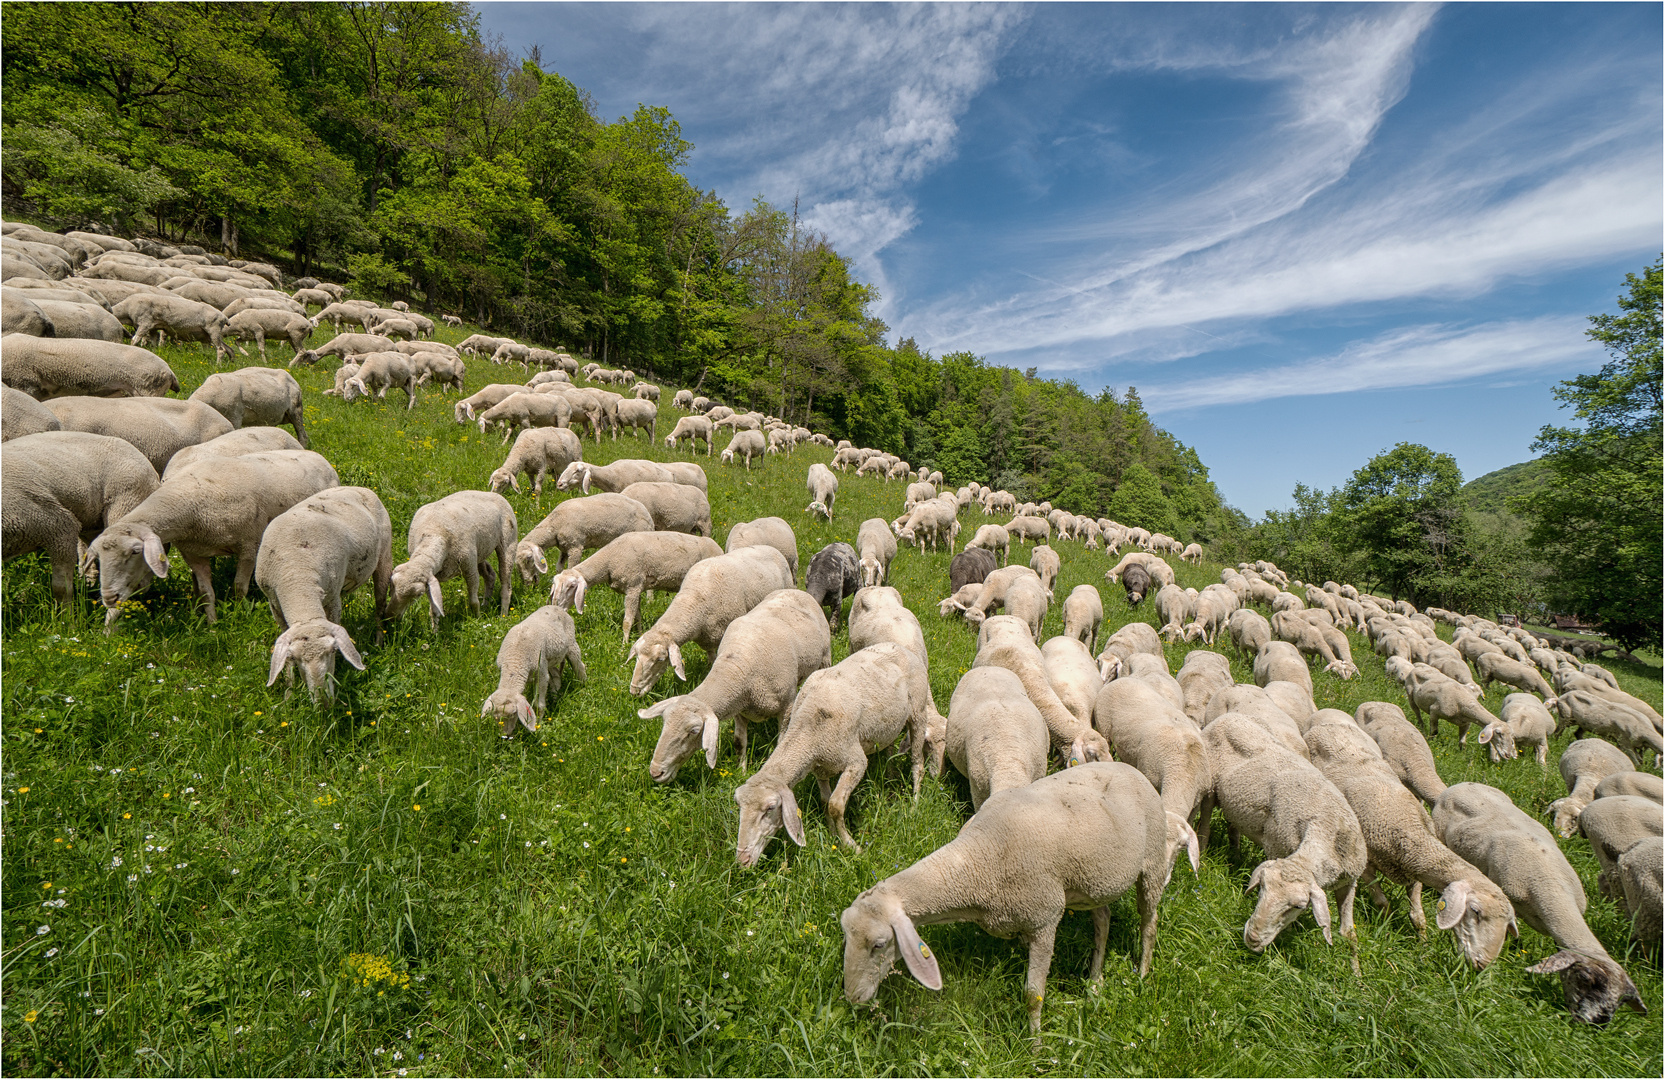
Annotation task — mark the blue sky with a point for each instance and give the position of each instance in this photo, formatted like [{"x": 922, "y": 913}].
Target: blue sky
[{"x": 1304, "y": 232}]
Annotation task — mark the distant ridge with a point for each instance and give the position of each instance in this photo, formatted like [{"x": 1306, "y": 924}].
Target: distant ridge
[{"x": 1488, "y": 493}]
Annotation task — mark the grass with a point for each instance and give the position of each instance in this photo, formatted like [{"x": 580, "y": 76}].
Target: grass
[{"x": 235, "y": 882}]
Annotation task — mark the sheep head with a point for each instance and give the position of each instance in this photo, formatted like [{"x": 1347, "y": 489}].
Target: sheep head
[
  {"x": 510, "y": 709},
  {"x": 690, "y": 725},
  {"x": 411, "y": 583},
  {"x": 128, "y": 557},
  {"x": 876, "y": 931},
  {"x": 654, "y": 652},
  {"x": 1481, "y": 916},
  {"x": 311, "y": 646},
  {"x": 1286, "y": 890},
  {"x": 765, "y": 806},
  {"x": 1594, "y": 986}
]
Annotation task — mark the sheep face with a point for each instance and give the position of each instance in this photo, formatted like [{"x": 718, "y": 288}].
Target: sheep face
[
  {"x": 128, "y": 558},
  {"x": 876, "y": 930},
  {"x": 1594, "y": 986},
  {"x": 652, "y": 658},
  {"x": 510, "y": 709},
  {"x": 573, "y": 475},
  {"x": 530, "y": 561},
  {"x": 1481, "y": 920},
  {"x": 567, "y": 590},
  {"x": 1501, "y": 741},
  {"x": 871, "y": 572},
  {"x": 409, "y": 585},
  {"x": 690, "y": 725},
  {"x": 311, "y": 646},
  {"x": 1285, "y": 891},
  {"x": 764, "y": 808}
]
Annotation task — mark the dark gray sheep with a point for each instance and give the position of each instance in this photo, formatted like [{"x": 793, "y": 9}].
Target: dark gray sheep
[
  {"x": 969, "y": 567},
  {"x": 834, "y": 573},
  {"x": 1136, "y": 580}
]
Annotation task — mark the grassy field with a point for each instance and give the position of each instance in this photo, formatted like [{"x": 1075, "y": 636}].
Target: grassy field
[{"x": 203, "y": 876}]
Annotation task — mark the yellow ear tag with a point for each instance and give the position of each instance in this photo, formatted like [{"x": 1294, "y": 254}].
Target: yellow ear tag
[
  {"x": 1074, "y": 761},
  {"x": 1439, "y": 905},
  {"x": 924, "y": 950}
]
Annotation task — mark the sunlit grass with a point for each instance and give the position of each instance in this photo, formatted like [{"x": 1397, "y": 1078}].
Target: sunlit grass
[{"x": 557, "y": 912}]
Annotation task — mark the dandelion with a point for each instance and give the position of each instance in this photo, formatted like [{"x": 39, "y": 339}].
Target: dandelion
[
  {"x": 126, "y": 817},
  {"x": 23, "y": 791},
  {"x": 417, "y": 807},
  {"x": 46, "y": 885}
]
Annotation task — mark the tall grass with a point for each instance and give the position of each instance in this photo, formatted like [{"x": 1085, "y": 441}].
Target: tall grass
[{"x": 204, "y": 875}]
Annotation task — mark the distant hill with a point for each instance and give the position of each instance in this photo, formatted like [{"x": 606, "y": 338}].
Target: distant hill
[{"x": 1487, "y": 494}]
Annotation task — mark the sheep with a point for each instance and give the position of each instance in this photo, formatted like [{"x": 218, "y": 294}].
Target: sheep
[
  {"x": 540, "y": 643},
  {"x": 638, "y": 414},
  {"x": 991, "y": 538},
  {"x": 58, "y": 488},
  {"x": 1249, "y": 629},
  {"x": 159, "y": 427},
  {"x": 589, "y": 522},
  {"x": 1481, "y": 825},
  {"x": 441, "y": 368},
  {"x": 674, "y": 507},
  {"x": 1255, "y": 704},
  {"x": 1403, "y": 748},
  {"x": 897, "y": 471},
  {"x": 1214, "y": 606},
  {"x": 969, "y": 568},
  {"x": 1017, "y": 589},
  {"x": 714, "y": 593},
  {"x": 255, "y": 396},
  {"x": 249, "y": 440},
  {"x": 381, "y": 372},
  {"x": 1077, "y": 839},
  {"x": 746, "y": 444},
  {"x": 1597, "y": 714},
  {"x": 1584, "y": 764},
  {"x": 995, "y": 735},
  {"x": 834, "y": 573},
  {"x": 217, "y": 506},
  {"x": 311, "y": 556},
  {"x": 692, "y": 428},
  {"x": 1201, "y": 676},
  {"x": 1523, "y": 719},
  {"x": 538, "y": 452},
  {"x": 620, "y": 474},
  {"x": 683, "y": 399},
  {"x": 632, "y": 563},
  {"x": 1495, "y": 667},
  {"x": 483, "y": 399},
  {"x": 841, "y": 714},
  {"x": 451, "y": 536},
  {"x": 1566, "y": 679},
  {"x": 75, "y": 320},
  {"x": 1083, "y": 615},
  {"x": 1029, "y": 529},
  {"x": 1173, "y": 610},
  {"x": 1148, "y": 732},
  {"x": 1006, "y": 641},
  {"x": 763, "y": 657},
  {"x": 1646, "y": 785},
  {"x": 1310, "y": 834},
  {"x": 1641, "y": 871},
  {"x": 916, "y": 494},
  {"x": 21, "y": 315},
  {"x": 309, "y": 297},
  {"x": 1310, "y": 640},
  {"x": 22, "y": 415},
  {"x": 1403, "y": 847},
  {"x": 1192, "y": 554},
  {"x": 46, "y": 368},
  {"x": 878, "y": 614},
  {"x": 182, "y": 319},
  {"x": 397, "y": 329},
  {"x": 876, "y": 547},
  {"x": 1613, "y": 825},
  {"x": 1279, "y": 660},
  {"x": 344, "y": 345},
  {"x": 1124, "y": 643},
  {"x": 1045, "y": 562},
  {"x": 255, "y": 324},
  {"x": 823, "y": 490}
]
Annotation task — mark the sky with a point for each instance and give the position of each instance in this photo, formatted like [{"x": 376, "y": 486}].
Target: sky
[{"x": 1306, "y": 233}]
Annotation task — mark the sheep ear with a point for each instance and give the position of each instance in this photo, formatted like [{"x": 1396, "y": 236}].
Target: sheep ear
[
  {"x": 635, "y": 647},
  {"x": 434, "y": 600},
  {"x": 1452, "y": 904},
  {"x": 539, "y": 562},
  {"x": 528, "y": 719},
  {"x": 1188, "y": 836},
  {"x": 1321, "y": 912},
  {"x": 1254, "y": 878},
  {"x": 676, "y": 662},
  {"x": 155, "y": 557},
  {"x": 708, "y": 742},
  {"x": 280, "y": 656},
  {"x": 791, "y": 818},
  {"x": 485, "y": 707},
  {"x": 1549, "y": 965},
  {"x": 578, "y": 594},
  {"x": 922, "y": 963},
  {"x": 586, "y": 484},
  {"x": 1487, "y": 733},
  {"x": 655, "y": 710},
  {"x": 345, "y": 644},
  {"x": 1078, "y": 753}
]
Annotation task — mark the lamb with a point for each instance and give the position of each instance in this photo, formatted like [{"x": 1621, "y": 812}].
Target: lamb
[
  {"x": 1045, "y": 562},
  {"x": 184, "y": 320},
  {"x": 249, "y": 440},
  {"x": 1083, "y": 615},
  {"x": 637, "y": 414},
  {"x": 692, "y": 428},
  {"x": 834, "y": 573},
  {"x": 747, "y": 445},
  {"x": 58, "y": 488},
  {"x": 22, "y": 415},
  {"x": 257, "y": 396},
  {"x": 344, "y": 345},
  {"x": 1403, "y": 748},
  {"x": 876, "y": 547},
  {"x": 1584, "y": 764},
  {"x": 823, "y": 489},
  {"x": 451, "y": 536},
  {"x": 1005, "y": 641},
  {"x": 1173, "y": 609},
  {"x": 1149, "y": 733},
  {"x": 1279, "y": 660},
  {"x": 381, "y": 372},
  {"x": 218, "y": 506},
  {"x": 538, "y": 452},
  {"x": 674, "y": 507},
  {"x": 992, "y": 538},
  {"x": 634, "y": 562},
  {"x": 1481, "y": 825},
  {"x": 1122, "y": 645},
  {"x": 311, "y": 556},
  {"x": 590, "y": 522},
  {"x": 540, "y": 643},
  {"x": 714, "y": 593},
  {"x": 1614, "y": 825},
  {"x": 841, "y": 714},
  {"x": 1523, "y": 719},
  {"x": 255, "y": 324},
  {"x": 1080, "y": 839},
  {"x": 1201, "y": 676},
  {"x": 1597, "y": 714},
  {"x": 763, "y": 656},
  {"x": 441, "y": 368},
  {"x": 159, "y": 427},
  {"x": 995, "y": 736},
  {"x": 46, "y": 368},
  {"x": 1403, "y": 847},
  {"x": 1495, "y": 667}
]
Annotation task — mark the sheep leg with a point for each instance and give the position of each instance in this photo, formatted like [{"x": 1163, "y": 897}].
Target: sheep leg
[
  {"x": 1040, "y": 965},
  {"x": 741, "y": 732},
  {"x": 847, "y": 782},
  {"x": 1205, "y": 820},
  {"x": 63, "y": 551},
  {"x": 543, "y": 685},
  {"x": 1344, "y": 906},
  {"x": 1150, "y": 894},
  {"x": 1101, "y": 936},
  {"x": 410, "y": 398},
  {"x": 632, "y": 606},
  {"x": 204, "y": 583}
]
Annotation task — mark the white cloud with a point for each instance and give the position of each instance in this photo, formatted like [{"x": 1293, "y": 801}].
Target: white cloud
[{"x": 1402, "y": 359}]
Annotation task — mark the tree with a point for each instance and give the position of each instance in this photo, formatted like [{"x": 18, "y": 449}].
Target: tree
[
  {"x": 1405, "y": 517},
  {"x": 1597, "y": 522},
  {"x": 1139, "y": 502}
]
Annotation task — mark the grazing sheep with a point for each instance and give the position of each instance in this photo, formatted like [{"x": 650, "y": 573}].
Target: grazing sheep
[
  {"x": 590, "y": 522},
  {"x": 457, "y": 535},
  {"x": 992, "y": 538},
  {"x": 256, "y": 324},
  {"x": 770, "y": 531},
  {"x": 344, "y": 345},
  {"x": 1045, "y": 562},
  {"x": 1613, "y": 825},
  {"x": 1148, "y": 732},
  {"x": 1646, "y": 785},
  {"x": 182, "y": 319},
  {"x": 440, "y": 368},
  {"x": 1123, "y": 644},
  {"x": 159, "y": 427},
  {"x": 1255, "y": 704},
  {"x": 249, "y": 440},
  {"x": 683, "y": 399},
  {"x": 1073, "y": 675},
  {"x": 21, "y": 315},
  {"x": 1403, "y": 748},
  {"x": 1201, "y": 676},
  {"x": 745, "y": 444},
  {"x": 834, "y": 573},
  {"x": 714, "y": 593},
  {"x": 538, "y": 643},
  {"x": 1249, "y": 629},
  {"x": 620, "y": 474},
  {"x": 1495, "y": 667},
  {"x": 763, "y": 657},
  {"x": 1279, "y": 660},
  {"x": 1522, "y": 720},
  {"x": 380, "y": 372},
  {"x": 1029, "y": 530},
  {"x": 1481, "y": 825},
  {"x": 969, "y": 568},
  {"x": 631, "y": 564},
  {"x": 74, "y": 320},
  {"x": 58, "y": 488},
  {"x": 1173, "y": 610},
  {"x": 842, "y": 713},
  {"x": 1192, "y": 554},
  {"x": 692, "y": 428},
  {"x": 22, "y": 415},
  {"x": 1005, "y": 641},
  {"x": 674, "y": 507},
  {"x": 995, "y": 735},
  {"x": 1078, "y": 839},
  {"x": 1642, "y": 876},
  {"x": 1083, "y": 615},
  {"x": 255, "y": 396},
  {"x": 1584, "y": 764},
  {"x": 995, "y": 589},
  {"x": 538, "y": 452},
  {"x": 483, "y": 399},
  {"x": 823, "y": 489},
  {"x": 311, "y": 556},
  {"x": 1600, "y": 715},
  {"x": 876, "y": 547},
  {"x": 637, "y": 414},
  {"x": 46, "y": 368},
  {"x": 217, "y": 506}
]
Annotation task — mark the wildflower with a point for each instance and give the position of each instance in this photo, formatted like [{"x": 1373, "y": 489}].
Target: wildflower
[
  {"x": 50, "y": 953},
  {"x": 46, "y": 884},
  {"x": 167, "y": 795},
  {"x": 257, "y": 712},
  {"x": 417, "y": 807},
  {"x": 190, "y": 791},
  {"x": 42, "y": 930},
  {"x": 337, "y": 826},
  {"x": 132, "y": 878},
  {"x": 29, "y": 1017},
  {"x": 586, "y": 843},
  {"x": 98, "y": 1012},
  {"x": 23, "y": 791},
  {"x": 397, "y": 1056},
  {"x": 126, "y": 817},
  {"x": 235, "y": 872}
]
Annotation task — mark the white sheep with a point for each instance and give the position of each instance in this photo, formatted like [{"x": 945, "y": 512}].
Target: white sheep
[
  {"x": 1280, "y": 661},
  {"x": 1045, "y": 562},
  {"x": 538, "y": 452},
  {"x": 249, "y": 440},
  {"x": 22, "y": 415},
  {"x": 379, "y": 372},
  {"x": 457, "y": 535},
  {"x": 1202, "y": 675},
  {"x": 618, "y": 475},
  {"x": 539, "y": 643},
  {"x": 714, "y": 593},
  {"x": 1583, "y": 765},
  {"x": 763, "y": 657},
  {"x": 674, "y": 507},
  {"x": 823, "y": 490},
  {"x": 633, "y": 563},
  {"x": 255, "y": 396},
  {"x": 1120, "y": 646},
  {"x": 1083, "y": 615},
  {"x": 482, "y": 399},
  {"x": 1598, "y": 714},
  {"x": 746, "y": 445},
  {"x": 527, "y": 410},
  {"x": 995, "y": 736},
  {"x": 312, "y": 556},
  {"x": 1523, "y": 720},
  {"x": 1073, "y": 675},
  {"x": 770, "y": 531},
  {"x": 992, "y": 538},
  {"x": 588, "y": 522},
  {"x": 1147, "y": 731},
  {"x": 637, "y": 414},
  {"x": 692, "y": 428},
  {"x": 1005, "y": 641},
  {"x": 46, "y": 368},
  {"x": 1403, "y": 748},
  {"x": 440, "y": 368}
]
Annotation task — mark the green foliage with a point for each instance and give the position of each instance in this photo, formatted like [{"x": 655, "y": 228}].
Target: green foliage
[
  {"x": 1490, "y": 494},
  {"x": 1139, "y": 501},
  {"x": 1404, "y": 518},
  {"x": 1598, "y": 520},
  {"x": 60, "y": 167}
]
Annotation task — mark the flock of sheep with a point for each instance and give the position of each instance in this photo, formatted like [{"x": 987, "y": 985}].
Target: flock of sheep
[{"x": 103, "y": 472}]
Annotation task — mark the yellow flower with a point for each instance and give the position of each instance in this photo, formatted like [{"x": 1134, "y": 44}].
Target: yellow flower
[
  {"x": 622, "y": 859},
  {"x": 284, "y": 724},
  {"x": 38, "y": 731},
  {"x": 167, "y": 795},
  {"x": 125, "y": 817},
  {"x": 257, "y": 712},
  {"x": 417, "y": 807},
  {"x": 29, "y": 1017},
  {"x": 23, "y": 791},
  {"x": 59, "y": 840},
  {"x": 46, "y": 884}
]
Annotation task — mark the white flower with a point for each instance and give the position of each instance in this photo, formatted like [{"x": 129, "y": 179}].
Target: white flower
[
  {"x": 115, "y": 861},
  {"x": 397, "y": 1056},
  {"x": 306, "y": 993},
  {"x": 47, "y": 929},
  {"x": 190, "y": 791},
  {"x": 337, "y": 825},
  {"x": 50, "y": 953},
  {"x": 235, "y": 871},
  {"x": 132, "y": 878}
]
